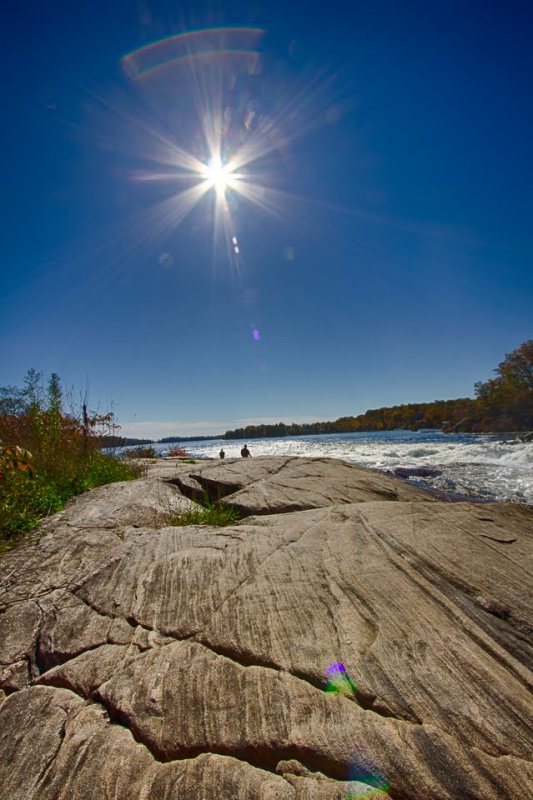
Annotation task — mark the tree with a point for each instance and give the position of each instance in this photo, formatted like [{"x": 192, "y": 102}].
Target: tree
[
  {"x": 55, "y": 395},
  {"x": 506, "y": 401},
  {"x": 516, "y": 370},
  {"x": 32, "y": 391},
  {"x": 11, "y": 401},
  {"x": 514, "y": 376}
]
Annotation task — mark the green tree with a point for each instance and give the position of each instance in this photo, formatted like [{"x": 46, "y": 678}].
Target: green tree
[
  {"x": 11, "y": 401},
  {"x": 32, "y": 391},
  {"x": 506, "y": 401},
  {"x": 516, "y": 369},
  {"x": 55, "y": 395}
]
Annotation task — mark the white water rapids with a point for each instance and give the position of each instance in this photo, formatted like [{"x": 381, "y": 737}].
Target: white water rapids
[{"x": 479, "y": 466}]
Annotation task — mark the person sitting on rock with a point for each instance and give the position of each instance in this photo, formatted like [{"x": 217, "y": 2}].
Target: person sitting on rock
[
  {"x": 245, "y": 453},
  {"x": 222, "y": 454}
]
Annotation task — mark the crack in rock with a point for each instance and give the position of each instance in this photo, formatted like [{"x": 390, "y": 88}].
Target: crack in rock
[{"x": 260, "y": 756}]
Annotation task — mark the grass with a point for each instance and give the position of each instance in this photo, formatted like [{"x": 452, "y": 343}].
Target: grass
[
  {"x": 208, "y": 514},
  {"x": 25, "y": 499}
]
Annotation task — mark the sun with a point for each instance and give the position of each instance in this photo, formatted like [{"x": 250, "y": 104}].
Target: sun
[
  {"x": 231, "y": 145},
  {"x": 218, "y": 175}
]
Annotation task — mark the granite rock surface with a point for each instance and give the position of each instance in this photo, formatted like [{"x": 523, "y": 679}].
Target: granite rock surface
[
  {"x": 274, "y": 485},
  {"x": 363, "y": 641}
]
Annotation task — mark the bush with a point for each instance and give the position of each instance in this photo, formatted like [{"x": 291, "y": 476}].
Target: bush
[
  {"x": 141, "y": 452},
  {"x": 47, "y": 456},
  {"x": 178, "y": 452}
]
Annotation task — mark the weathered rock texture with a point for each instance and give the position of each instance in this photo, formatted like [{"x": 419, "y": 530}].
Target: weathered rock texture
[
  {"x": 279, "y": 485},
  {"x": 164, "y": 663}
]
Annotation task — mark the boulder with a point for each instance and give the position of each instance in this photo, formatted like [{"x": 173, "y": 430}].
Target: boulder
[{"x": 356, "y": 649}]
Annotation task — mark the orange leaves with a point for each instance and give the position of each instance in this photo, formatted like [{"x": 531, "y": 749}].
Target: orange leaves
[{"x": 15, "y": 458}]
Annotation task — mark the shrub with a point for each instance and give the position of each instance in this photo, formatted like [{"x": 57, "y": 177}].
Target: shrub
[
  {"x": 47, "y": 456},
  {"x": 143, "y": 451},
  {"x": 178, "y": 452}
]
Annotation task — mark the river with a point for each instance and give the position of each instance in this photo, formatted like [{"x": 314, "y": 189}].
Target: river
[{"x": 478, "y": 466}]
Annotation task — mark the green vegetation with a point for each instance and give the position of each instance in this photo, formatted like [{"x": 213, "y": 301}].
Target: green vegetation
[
  {"x": 503, "y": 403},
  {"x": 209, "y": 514},
  {"x": 46, "y": 455},
  {"x": 506, "y": 401}
]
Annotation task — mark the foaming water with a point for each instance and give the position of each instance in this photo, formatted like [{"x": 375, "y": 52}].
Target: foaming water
[{"x": 487, "y": 467}]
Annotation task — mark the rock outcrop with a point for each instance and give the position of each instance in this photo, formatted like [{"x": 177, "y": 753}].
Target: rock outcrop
[
  {"x": 363, "y": 641},
  {"x": 280, "y": 485}
]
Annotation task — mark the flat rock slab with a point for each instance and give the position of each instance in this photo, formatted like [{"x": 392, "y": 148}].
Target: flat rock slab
[
  {"x": 360, "y": 650},
  {"x": 171, "y": 467},
  {"x": 147, "y": 501},
  {"x": 279, "y": 485}
]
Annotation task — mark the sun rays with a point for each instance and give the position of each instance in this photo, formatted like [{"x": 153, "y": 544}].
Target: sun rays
[
  {"x": 228, "y": 125},
  {"x": 200, "y": 136}
]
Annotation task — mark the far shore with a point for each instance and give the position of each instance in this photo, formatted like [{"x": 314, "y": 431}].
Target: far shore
[{"x": 522, "y": 436}]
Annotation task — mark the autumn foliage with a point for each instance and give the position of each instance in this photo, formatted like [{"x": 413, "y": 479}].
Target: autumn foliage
[
  {"x": 502, "y": 404},
  {"x": 47, "y": 455},
  {"x": 506, "y": 401}
]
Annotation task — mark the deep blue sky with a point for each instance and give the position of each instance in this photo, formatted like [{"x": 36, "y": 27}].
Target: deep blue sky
[{"x": 395, "y": 267}]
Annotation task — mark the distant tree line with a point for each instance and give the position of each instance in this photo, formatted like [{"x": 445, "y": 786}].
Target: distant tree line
[
  {"x": 172, "y": 439},
  {"x": 122, "y": 441},
  {"x": 503, "y": 403}
]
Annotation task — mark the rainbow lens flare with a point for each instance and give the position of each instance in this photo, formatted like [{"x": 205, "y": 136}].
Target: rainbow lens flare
[
  {"x": 339, "y": 681},
  {"x": 370, "y": 779},
  {"x": 366, "y": 772}
]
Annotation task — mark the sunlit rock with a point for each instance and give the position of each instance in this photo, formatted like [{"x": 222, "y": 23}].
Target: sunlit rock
[{"x": 373, "y": 645}]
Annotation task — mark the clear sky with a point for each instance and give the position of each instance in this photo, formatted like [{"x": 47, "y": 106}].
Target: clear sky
[{"x": 368, "y": 242}]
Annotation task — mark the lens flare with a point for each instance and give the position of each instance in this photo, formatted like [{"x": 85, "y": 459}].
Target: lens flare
[
  {"x": 363, "y": 769},
  {"x": 339, "y": 681},
  {"x": 205, "y": 128},
  {"x": 191, "y": 44}
]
